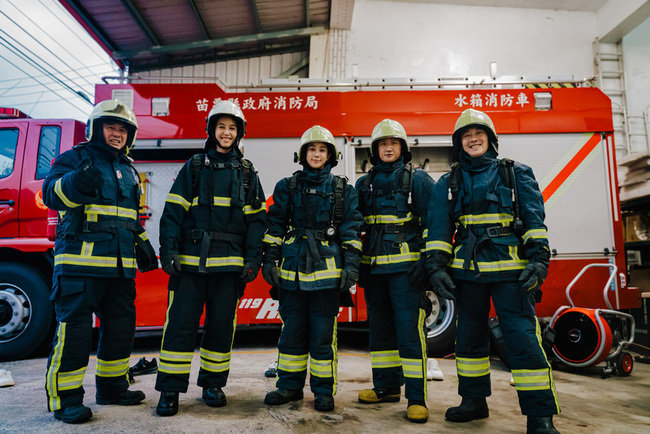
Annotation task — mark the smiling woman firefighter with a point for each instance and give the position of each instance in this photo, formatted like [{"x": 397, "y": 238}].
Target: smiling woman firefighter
[
  {"x": 499, "y": 252},
  {"x": 311, "y": 258}
]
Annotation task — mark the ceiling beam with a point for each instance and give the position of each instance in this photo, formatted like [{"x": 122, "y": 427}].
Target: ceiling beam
[
  {"x": 197, "y": 16},
  {"x": 256, "y": 16},
  {"x": 139, "y": 20},
  {"x": 216, "y": 43}
]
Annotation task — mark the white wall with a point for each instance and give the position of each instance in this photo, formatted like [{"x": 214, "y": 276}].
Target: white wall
[
  {"x": 636, "y": 57},
  {"x": 422, "y": 40}
]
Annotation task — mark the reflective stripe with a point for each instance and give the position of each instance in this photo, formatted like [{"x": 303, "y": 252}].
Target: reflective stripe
[
  {"x": 387, "y": 219},
  {"x": 110, "y": 210},
  {"x": 59, "y": 192},
  {"x": 221, "y": 201},
  {"x": 532, "y": 379},
  {"x": 354, "y": 243},
  {"x": 213, "y": 361},
  {"x": 467, "y": 367},
  {"x": 330, "y": 273},
  {"x": 175, "y": 362},
  {"x": 112, "y": 368},
  {"x": 71, "y": 380},
  {"x": 53, "y": 400},
  {"x": 321, "y": 368},
  {"x": 385, "y": 359},
  {"x": 235, "y": 261},
  {"x": 270, "y": 239},
  {"x": 143, "y": 236},
  {"x": 413, "y": 368},
  {"x": 174, "y": 368},
  {"x": 484, "y": 219},
  {"x": 535, "y": 234},
  {"x": 248, "y": 209},
  {"x": 178, "y": 200},
  {"x": 513, "y": 264},
  {"x": 292, "y": 363},
  {"x": 439, "y": 245},
  {"x": 391, "y": 259},
  {"x": 92, "y": 261},
  {"x": 176, "y": 356}
]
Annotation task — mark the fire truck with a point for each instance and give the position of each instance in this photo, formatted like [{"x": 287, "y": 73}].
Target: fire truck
[{"x": 563, "y": 130}]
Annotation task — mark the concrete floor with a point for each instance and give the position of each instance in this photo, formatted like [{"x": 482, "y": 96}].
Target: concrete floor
[{"x": 589, "y": 403}]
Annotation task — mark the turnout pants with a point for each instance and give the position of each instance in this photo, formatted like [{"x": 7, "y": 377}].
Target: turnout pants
[
  {"x": 76, "y": 298},
  {"x": 308, "y": 329},
  {"x": 397, "y": 341},
  {"x": 188, "y": 294},
  {"x": 529, "y": 366}
]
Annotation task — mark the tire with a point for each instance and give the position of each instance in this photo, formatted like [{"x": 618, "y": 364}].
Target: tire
[
  {"x": 440, "y": 327},
  {"x": 26, "y": 313},
  {"x": 624, "y": 364}
]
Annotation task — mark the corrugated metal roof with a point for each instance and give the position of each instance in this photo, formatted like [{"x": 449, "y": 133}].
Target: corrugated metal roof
[{"x": 150, "y": 34}]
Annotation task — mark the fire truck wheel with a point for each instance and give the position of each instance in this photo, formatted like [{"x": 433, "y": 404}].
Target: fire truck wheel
[
  {"x": 624, "y": 364},
  {"x": 26, "y": 313},
  {"x": 440, "y": 326}
]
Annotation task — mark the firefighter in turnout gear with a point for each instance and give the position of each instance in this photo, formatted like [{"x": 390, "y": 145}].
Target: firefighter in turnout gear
[
  {"x": 311, "y": 256},
  {"x": 100, "y": 241},
  {"x": 211, "y": 246},
  {"x": 500, "y": 252},
  {"x": 393, "y": 198}
]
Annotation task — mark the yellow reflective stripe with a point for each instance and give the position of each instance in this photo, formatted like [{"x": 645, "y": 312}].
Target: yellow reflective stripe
[
  {"x": 312, "y": 277},
  {"x": 59, "y": 192},
  {"x": 439, "y": 245},
  {"x": 112, "y": 368},
  {"x": 391, "y": 259},
  {"x": 535, "y": 234},
  {"x": 387, "y": 219},
  {"x": 532, "y": 379},
  {"x": 71, "y": 380},
  {"x": 92, "y": 261},
  {"x": 110, "y": 210},
  {"x": 213, "y": 361},
  {"x": 87, "y": 248},
  {"x": 354, "y": 243},
  {"x": 518, "y": 264},
  {"x": 176, "y": 356},
  {"x": 423, "y": 346},
  {"x": 467, "y": 367},
  {"x": 292, "y": 363},
  {"x": 221, "y": 201},
  {"x": 484, "y": 219},
  {"x": 385, "y": 359},
  {"x": 143, "y": 236},
  {"x": 248, "y": 209},
  {"x": 413, "y": 368},
  {"x": 179, "y": 200},
  {"x": 321, "y": 368},
  {"x": 53, "y": 400},
  {"x": 174, "y": 368},
  {"x": 174, "y": 362},
  {"x": 270, "y": 239},
  {"x": 236, "y": 261}
]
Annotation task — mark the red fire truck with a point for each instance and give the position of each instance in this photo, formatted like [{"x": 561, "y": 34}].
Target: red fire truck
[{"x": 563, "y": 131}]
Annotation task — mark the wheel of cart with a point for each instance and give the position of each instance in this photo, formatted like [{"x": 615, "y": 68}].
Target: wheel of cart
[{"x": 586, "y": 337}]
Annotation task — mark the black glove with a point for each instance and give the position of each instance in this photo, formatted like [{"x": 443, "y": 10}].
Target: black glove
[
  {"x": 249, "y": 273},
  {"x": 442, "y": 285},
  {"x": 87, "y": 178},
  {"x": 145, "y": 257},
  {"x": 532, "y": 277},
  {"x": 270, "y": 274},
  {"x": 418, "y": 275},
  {"x": 171, "y": 264},
  {"x": 349, "y": 277}
]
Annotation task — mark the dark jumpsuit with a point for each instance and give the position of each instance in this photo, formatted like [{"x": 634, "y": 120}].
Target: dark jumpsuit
[
  {"x": 94, "y": 271},
  {"x": 485, "y": 262},
  {"x": 215, "y": 224},
  {"x": 393, "y": 243},
  {"x": 310, "y": 273}
]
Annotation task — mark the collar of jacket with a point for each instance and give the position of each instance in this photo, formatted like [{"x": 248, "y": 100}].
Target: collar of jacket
[
  {"x": 221, "y": 157},
  {"x": 390, "y": 167},
  {"x": 315, "y": 177},
  {"x": 477, "y": 164}
]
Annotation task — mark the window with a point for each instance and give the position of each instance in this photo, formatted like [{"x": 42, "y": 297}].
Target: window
[
  {"x": 48, "y": 149},
  {"x": 8, "y": 143}
]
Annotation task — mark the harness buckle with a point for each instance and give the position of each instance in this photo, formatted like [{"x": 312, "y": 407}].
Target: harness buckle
[{"x": 497, "y": 231}]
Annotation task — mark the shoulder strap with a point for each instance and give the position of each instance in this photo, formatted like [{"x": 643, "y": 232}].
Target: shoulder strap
[
  {"x": 196, "y": 163},
  {"x": 367, "y": 182},
  {"x": 453, "y": 182},
  {"x": 293, "y": 183},
  {"x": 407, "y": 182},
  {"x": 338, "y": 185},
  {"x": 507, "y": 173}
]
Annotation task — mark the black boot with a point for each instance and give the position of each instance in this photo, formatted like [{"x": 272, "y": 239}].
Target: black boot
[
  {"x": 540, "y": 425},
  {"x": 469, "y": 409},
  {"x": 214, "y": 396},
  {"x": 168, "y": 404},
  {"x": 126, "y": 397},
  {"x": 283, "y": 396},
  {"x": 323, "y": 402},
  {"x": 76, "y": 413}
]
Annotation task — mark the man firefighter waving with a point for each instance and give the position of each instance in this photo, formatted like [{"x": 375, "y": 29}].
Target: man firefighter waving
[{"x": 99, "y": 243}]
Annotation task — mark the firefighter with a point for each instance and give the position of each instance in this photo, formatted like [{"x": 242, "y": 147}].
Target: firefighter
[
  {"x": 211, "y": 246},
  {"x": 99, "y": 243},
  {"x": 393, "y": 198},
  {"x": 311, "y": 256},
  {"x": 500, "y": 252}
]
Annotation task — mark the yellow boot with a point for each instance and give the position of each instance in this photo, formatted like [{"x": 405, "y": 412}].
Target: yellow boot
[
  {"x": 417, "y": 411},
  {"x": 378, "y": 394}
]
